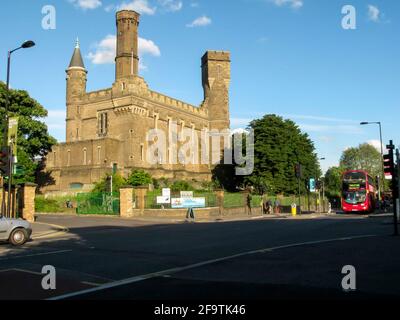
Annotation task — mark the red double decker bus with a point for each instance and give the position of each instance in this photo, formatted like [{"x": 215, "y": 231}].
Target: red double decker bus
[{"x": 358, "y": 192}]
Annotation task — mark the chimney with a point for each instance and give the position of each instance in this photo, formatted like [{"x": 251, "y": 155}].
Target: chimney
[{"x": 127, "y": 58}]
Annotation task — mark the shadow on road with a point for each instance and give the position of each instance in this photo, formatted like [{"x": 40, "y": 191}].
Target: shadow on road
[{"x": 102, "y": 251}]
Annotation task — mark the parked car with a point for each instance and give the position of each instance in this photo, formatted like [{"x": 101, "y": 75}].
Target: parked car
[{"x": 15, "y": 231}]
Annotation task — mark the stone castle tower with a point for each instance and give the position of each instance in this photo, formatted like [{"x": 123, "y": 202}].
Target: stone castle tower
[{"x": 106, "y": 129}]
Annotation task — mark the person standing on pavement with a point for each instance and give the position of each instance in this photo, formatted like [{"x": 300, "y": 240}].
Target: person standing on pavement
[{"x": 249, "y": 198}]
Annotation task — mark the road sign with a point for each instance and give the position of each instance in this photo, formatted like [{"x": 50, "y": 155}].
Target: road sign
[{"x": 312, "y": 185}]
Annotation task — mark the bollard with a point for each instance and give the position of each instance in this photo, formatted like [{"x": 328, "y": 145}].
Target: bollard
[{"x": 294, "y": 209}]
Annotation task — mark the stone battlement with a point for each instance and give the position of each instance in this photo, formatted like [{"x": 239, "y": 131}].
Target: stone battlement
[
  {"x": 160, "y": 98},
  {"x": 96, "y": 96},
  {"x": 216, "y": 56},
  {"x": 127, "y": 14}
]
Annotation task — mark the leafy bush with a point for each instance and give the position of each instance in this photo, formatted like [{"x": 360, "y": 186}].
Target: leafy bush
[
  {"x": 118, "y": 182},
  {"x": 181, "y": 186},
  {"x": 139, "y": 178}
]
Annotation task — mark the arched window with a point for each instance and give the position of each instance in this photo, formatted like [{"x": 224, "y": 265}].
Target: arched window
[{"x": 84, "y": 156}]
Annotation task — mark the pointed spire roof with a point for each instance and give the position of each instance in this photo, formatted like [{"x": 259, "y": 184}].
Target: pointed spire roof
[{"x": 76, "y": 60}]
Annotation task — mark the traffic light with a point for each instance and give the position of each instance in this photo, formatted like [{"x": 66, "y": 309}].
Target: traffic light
[
  {"x": 388, "y": 163},
  {"x": 4, "y": 161},
  {"x": 299, "y": 171}
]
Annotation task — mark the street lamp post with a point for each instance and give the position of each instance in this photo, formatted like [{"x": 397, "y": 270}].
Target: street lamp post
[
  {"x": 323, "y": 190},
  {"x": 381, "y": 182},
  {"x": 25, "y": 45}
]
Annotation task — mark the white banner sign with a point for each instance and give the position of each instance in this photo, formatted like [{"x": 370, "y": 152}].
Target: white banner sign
[
  {"x": 166, "y": 192},
  {"x": 184, "y": 203},
  {"x": 186, "y": 194},
  {"x": 163, "y": 200}
]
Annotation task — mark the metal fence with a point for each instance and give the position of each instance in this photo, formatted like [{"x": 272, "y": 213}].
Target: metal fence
[{"x": 98, "y": 203}]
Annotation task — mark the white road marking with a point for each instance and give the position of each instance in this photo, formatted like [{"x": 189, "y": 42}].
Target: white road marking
[
  {"x": 169, "y": 272},
  {"x": 25, "y": 271},
  {"x": 35, "y": 255},
  {"x": 91, "y": 283}
]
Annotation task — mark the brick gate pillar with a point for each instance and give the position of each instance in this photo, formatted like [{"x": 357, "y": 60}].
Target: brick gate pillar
[
  {"x": 126, "y": 202},
  {"x": 28, "y": 201},
  {"x": 140, "y": 194}
]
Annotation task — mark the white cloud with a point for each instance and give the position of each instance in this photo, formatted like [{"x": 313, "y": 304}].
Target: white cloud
[
  {"x": 87, "y": 4},
  {"x": 377, "y": 145},
  {"x": 106, "y": 50},
  {"x": 171, "y": 5},
  {"x": 374, "y": 14},
  {"x": 140, "y": 6},
  {"x": 202, "y": 21},
  {"x": 148, "y": 47},
  {"x": 294, "y": 4}
]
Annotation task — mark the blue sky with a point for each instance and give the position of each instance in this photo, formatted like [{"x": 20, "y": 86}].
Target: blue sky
[{"x": 289, "y": 57}]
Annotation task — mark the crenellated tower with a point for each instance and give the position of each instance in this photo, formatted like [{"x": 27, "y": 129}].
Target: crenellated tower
[
  {"x": 216, "y": 74},
  {"x": 127, "y": 58},
  {"x": 76, "y": 87}
]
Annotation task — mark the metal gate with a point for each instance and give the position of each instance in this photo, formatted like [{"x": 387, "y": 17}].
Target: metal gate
[{"x": 98, "y": 203}]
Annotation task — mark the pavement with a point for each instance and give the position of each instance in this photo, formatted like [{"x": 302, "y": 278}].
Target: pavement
[
  {"x": 41, "y": 230},
  {"x": 264, "y": 258}
]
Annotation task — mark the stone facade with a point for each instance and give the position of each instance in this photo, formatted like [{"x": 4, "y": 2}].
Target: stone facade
[{"x": 107, "y": 129}]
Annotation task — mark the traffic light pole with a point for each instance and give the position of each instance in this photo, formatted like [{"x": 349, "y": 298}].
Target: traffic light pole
[
  {"x": 391, "y": 168},
  {"x": 299, "y": 196}
]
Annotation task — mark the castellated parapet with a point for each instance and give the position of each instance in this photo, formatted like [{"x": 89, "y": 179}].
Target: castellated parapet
[{"x": 106, "y": 129}]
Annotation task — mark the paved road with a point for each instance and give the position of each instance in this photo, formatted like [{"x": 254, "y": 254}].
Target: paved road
[{"x": 109, "y": 258}]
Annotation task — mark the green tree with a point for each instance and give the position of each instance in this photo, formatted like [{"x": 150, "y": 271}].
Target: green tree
[
  {"x": 139, "y": 178},
  {"x": 364, "y": 157},
  {"x": 224, "y": 175},
  {"x": 278, "y": 145},
  {"x": 333, "y": 181},
  {"x": 34, "y": 141},
  {"x": 117, "y": 181}
]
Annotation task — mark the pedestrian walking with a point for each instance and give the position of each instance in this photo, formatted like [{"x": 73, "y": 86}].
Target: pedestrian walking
[
  {"x": 277, "y": 206},
  {"x": 266, "y": 206},
  {"x": 269, "y": 206}
]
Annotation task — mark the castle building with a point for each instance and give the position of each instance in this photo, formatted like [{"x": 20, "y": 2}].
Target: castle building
[{"x": 106, "y": 130}]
